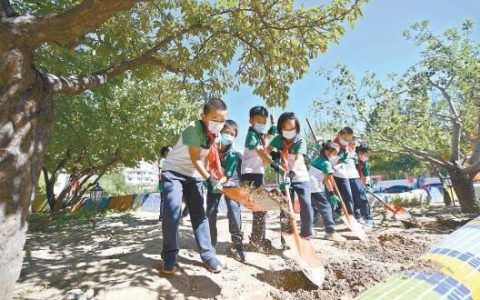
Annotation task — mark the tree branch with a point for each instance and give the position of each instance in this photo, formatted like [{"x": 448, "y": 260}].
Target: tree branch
[
  {"x": 70, "y": 25},
  {"x": 472, "y": 169},
  {"x": 447, "y": 97},
  {"x": 456, "y": 119},
  {"x": 76, "y": 84}
]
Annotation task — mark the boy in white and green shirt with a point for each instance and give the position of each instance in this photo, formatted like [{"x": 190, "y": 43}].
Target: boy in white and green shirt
[
  {"x": 184, "y": 171},
  {"x": 324, "y": 200},
  {"x": 253, "y": 169},
  {"x": 231, "y": 163}
]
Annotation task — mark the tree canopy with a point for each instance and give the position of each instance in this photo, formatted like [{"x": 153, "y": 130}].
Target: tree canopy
[
  {"x": 431, "y": 112},
  {"x": 270, "y": 42}
]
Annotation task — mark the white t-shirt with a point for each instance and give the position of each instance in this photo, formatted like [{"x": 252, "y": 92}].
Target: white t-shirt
[
  {"x": 252, "y": 163},
  {"x": 178, "y": 160},
  {"x": 345, "y": 167},
  {"x": 299, "y": 148},
  {"x": 320, "y": 167}
]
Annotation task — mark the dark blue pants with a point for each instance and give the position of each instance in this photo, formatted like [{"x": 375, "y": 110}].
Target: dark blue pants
[
  {"x": 259, "y": 223},
  {"x": 361, "y": 206},
  {"x": 175, "y": 186},
  {"x": 343, "y": 185},
  {"x": 184, "y": 213},
  {"x": 234, "y": 219},
  {"x": 322, "y": 207},
  {"x": 302, "y": 189}
]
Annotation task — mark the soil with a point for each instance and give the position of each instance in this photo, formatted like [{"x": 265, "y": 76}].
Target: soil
[{"x": 119, "y": 259}]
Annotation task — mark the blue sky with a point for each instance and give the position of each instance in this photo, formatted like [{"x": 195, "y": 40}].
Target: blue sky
[{"x": 374, "y": 44}]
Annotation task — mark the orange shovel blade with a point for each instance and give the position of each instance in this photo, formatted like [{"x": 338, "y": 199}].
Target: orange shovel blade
[
  {"x": 306, "y": 257},
  {"x": 243, "y": 196}
]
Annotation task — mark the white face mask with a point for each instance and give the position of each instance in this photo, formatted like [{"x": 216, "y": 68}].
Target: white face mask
[
  {"x": 215, "y": 127},
  {"x": 289, "y": 134},
  {"x": 343, "y": 142},
  {"x": 333, "y": 159}
]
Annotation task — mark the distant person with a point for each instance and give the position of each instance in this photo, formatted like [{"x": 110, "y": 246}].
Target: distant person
[
  {"x": 344, "y": 168},
  {"x": 361, "y": 186}
]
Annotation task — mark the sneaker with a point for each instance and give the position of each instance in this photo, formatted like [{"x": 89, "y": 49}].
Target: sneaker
[
  {"x": 335, "y": 237},
  {"x": 366, "y": 223},
  {"x": 337, "y": 217},
  {"x": 238, "y": 254},
  {"x": 170, "y": 268},
  {"x": 213, "y": 265},
  {"x": 307, "y": 238},
  {"x": 262, "y": 245},
  {"x": 369, "y": 223}
]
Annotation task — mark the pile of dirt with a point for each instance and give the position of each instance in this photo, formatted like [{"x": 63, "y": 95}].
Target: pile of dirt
[{"x": 369, "y": 263}]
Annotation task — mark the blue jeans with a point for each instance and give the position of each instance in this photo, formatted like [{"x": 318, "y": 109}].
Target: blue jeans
[
  {"x": 302, "y": 189},
  {"x": 259, "y": 225},
  {"x": 175, "y": 186},
  {"x": 361, "y": 205},
  {"x": 322, "y": 207},
  {"x": 346, "y": 193},
  {"x": 234, "y": 219}
]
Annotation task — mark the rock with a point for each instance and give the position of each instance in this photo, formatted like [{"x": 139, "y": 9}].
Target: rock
[
  {"x": 77, "y": 294},
  {"x": 74, "y": 294}
]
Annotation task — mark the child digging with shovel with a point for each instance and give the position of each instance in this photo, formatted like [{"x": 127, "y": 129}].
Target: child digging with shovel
[
  {"x": 291, "y": 148},
  {"x": 324, "y": 200},
  {"x": 231, "y": 163}
]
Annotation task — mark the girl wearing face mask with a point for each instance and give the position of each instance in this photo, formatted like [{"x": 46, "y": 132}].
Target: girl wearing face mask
[
  {"x": 288, "y": 150},
  {"x": 230, "y": 162},
  {"x": 345, "y": 170},
  {"x": 323, "y": 197},
  {"x": 361, "y": 186}
]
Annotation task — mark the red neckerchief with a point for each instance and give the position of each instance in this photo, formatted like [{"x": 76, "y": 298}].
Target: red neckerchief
[
  {"x": 284, "y": 153},
  {"x": 213, "y": 158},
  {"x": 336, "y": 140},
  {"x": 359, "y": 168}
]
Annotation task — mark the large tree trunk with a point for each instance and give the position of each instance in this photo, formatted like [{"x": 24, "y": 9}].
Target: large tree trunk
[
  {"x": 463, "y": 186},
  {"x": 25, "y": 125}
]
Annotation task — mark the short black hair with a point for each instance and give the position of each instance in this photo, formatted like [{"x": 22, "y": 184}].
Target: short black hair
[
  {"x": 346, "y": 130},
  {"x": 232, "y": 125},
  {"x": 362, "y": 148},
  {"x": 328, "y": 146},
  {"x": 214, "y": 104},
  {"x": 164, "y": 150},
  {"x": 258, "y": 111},
  {"x": 285, "y": 117}
]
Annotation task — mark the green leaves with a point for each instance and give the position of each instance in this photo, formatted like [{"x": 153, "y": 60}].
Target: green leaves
[
  {"x": 268, "y": 44},
  {"x": 428, "y": 112},
  {"x": 126, "y": 122},
  {"x": 214, "y": 46}
]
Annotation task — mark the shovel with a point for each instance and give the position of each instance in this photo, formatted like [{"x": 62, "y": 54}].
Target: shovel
[
  {"x": 302, "y": 251},
  {"x": 347, "y": 218},
  {"x": 398, "y": 212},
  {"x": 254, "y": 199}
]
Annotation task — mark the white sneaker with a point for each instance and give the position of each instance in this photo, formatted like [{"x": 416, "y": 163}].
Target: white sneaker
[{"x": 335, "y": 237}]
